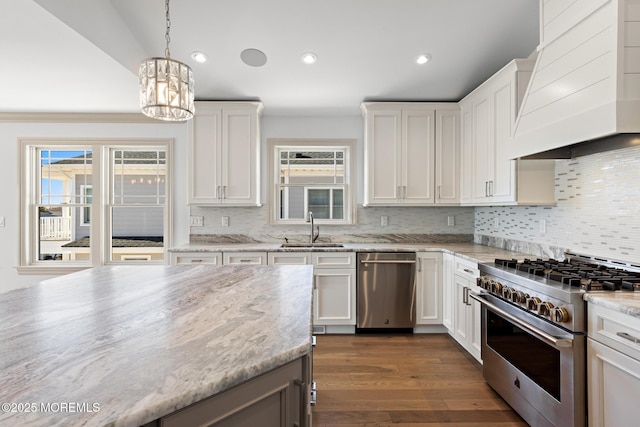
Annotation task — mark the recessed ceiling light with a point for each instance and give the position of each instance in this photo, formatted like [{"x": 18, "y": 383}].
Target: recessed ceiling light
[
  {"x": 309, "y": 58},
  {"x": 253, "y": 57},
  {"x": 423, "y": 58},
  {"x": 199, "y": 56}
]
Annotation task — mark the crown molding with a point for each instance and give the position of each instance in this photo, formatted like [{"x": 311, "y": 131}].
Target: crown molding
[{"x": 78, "y": 118}]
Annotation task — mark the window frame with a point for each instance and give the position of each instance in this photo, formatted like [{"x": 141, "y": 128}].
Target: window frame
[
  {"x": 100, "y": 224},
  {"x": 329, "y": 144}
]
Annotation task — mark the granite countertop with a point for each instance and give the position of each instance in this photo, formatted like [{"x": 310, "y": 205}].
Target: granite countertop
[
  {"x": 472, "y": 251},
  {"x": 627, "y": 302},
  {"x": 129, "y": 344}
]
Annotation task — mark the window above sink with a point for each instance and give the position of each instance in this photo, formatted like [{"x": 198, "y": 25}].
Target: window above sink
[{"x": 311, "y": 175}]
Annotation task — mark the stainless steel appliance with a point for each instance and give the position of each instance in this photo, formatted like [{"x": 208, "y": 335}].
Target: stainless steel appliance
[
  {"x": 533, "y": 331},
  {"x": 386, "y": 290}
]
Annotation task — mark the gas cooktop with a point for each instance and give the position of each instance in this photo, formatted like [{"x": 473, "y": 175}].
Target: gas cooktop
[{"x": 584, "y": 273}]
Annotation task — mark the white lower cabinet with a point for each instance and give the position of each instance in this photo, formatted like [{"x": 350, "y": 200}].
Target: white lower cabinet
[
  {"x": 289, "y": 258},
  {"x": 448, "y": 273},
  {"x": 466, "y": 325},
  {"x": 429, "y": 288},
  {"x": 613, "y": 368},
  {"x": 334, "y": 288}
]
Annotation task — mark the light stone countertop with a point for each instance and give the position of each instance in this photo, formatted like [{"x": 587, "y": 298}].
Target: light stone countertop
[
  {"x": 144, "y": 341},
  {"x": 471, "y": 251},
  {"x": 625, "y": 302}
]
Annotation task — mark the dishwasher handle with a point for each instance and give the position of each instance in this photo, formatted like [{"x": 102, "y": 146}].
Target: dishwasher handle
[{"x": 388, "y": 261}]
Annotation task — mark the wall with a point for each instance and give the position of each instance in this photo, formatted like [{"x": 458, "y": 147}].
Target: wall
[
  {"x": 597, "y": 213},
  {"x": 9, "y": 175},
  {"x": 253, "y": 221}
]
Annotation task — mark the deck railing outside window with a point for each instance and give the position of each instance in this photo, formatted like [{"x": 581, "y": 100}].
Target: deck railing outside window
[{"x": 55, "y": 228}]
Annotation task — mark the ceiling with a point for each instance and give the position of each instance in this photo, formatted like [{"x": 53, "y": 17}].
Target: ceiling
[{"x": 83, "y": 56}]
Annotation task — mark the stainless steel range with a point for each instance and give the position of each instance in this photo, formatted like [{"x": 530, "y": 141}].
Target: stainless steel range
[{"x": 534, "y": 331}]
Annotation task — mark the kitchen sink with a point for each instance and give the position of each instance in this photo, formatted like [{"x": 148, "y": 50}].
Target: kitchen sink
[{"x": 312, "y": 245}]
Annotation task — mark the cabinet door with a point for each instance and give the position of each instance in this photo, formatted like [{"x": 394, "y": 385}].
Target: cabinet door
[
  {"x": 613, "y": 387},
  {"x": 429, "y": 289},
  {"x": 417, "y": 157},
  {"x": 383, "y": 157},
  {"x": 460, "y": 311},
  {"x": 205, "y": 143},
  {"x": 239, "y": 156},
  {"x": 448, "y": 290},
  {"x": 482, "y": 148},
  {"x": 466, "y": 152},
  {"x": 502, "y": 182},
  {"x": 447, "y": 155},
  {"x": 474, "y": 327},
  {"x": 334, "y": 297}
]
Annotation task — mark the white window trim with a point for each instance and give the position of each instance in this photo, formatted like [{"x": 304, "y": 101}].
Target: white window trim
[
  {"x": 29, "y": 264},
  {"x": 350, "y": 211},
  {"x": 83, "y": 220}
]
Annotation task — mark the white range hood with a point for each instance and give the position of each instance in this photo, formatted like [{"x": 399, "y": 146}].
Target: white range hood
[{"x": 585, "y": 84}]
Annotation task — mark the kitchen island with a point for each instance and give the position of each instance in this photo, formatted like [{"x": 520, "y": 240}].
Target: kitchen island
[{"x": 127, "y": 345}]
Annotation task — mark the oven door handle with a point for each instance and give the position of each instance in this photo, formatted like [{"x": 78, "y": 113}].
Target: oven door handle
[{"x": 550, "y": 339}]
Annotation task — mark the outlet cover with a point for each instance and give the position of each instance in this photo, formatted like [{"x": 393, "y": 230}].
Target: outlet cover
[
  {"x": 543, "y": 226},
  {"x": 196, "y": 221},
  {"x": 496, "y": 223},
  {"x": 225, "y": 221},
  {"x": 451, "y": 221},
  {"x": 384, "y": 220}
]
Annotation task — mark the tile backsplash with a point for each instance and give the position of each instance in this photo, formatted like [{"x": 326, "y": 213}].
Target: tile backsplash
[
  {"x": 597, "y": 211},
  {"x": 252, "y": 221}
]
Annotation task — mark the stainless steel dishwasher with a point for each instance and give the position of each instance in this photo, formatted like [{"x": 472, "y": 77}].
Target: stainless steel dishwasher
[{"x": 386, "y": 290}]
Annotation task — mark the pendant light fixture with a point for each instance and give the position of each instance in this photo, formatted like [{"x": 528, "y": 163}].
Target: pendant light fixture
[{"x": 166, "y": 85}]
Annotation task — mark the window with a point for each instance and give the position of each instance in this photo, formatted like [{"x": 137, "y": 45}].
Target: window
[
  {"x": 311, "y": 176},
  {"x": 93, "y": 203}
]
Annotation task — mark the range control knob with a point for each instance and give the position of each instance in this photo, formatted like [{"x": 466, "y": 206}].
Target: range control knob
[
  {"x": 507, "y": 293},
  {"x": 533, "y": 303},
  {"x": 496, "y": 288},
  {"x": 519, "y": 297},
  {"x": 545, "y": 309},
  {"x": 561, "y": 315}
]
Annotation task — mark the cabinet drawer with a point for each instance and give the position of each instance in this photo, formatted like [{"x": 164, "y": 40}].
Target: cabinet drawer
[
  {"x": 466, "y": 269},
  {"x": 334, "y": 260},
  {"x": 245, "y": 258},
  {"x": 617, "y": 330},
  {"x": 289, "y": 258},
  {"x": 204, "y": 258}
]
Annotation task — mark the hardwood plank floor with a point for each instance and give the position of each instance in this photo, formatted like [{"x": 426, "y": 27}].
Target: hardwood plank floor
[{"x": 403, "y": 380}]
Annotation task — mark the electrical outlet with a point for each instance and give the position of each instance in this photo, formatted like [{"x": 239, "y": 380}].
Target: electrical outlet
[
  {"x": 384, "y": 220},
  {"x": 196, "y": 221},
  {"x": 543, "y": 226},
  {"x": 451, "y": 221},
  {"x": 225, "y": 221},
  {"x": 496, "y": 222}
]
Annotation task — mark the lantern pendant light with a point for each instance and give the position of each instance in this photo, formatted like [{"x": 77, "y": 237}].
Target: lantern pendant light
[{"x": 166, "y": 85}]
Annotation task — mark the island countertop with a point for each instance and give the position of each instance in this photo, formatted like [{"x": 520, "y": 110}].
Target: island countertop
[{"x": 125, "y": 345}]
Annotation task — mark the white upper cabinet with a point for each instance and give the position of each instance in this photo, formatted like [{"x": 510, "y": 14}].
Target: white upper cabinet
[
  {"x": 488, "y": 175},
  {"x": 224, "y": 163},
  {"x": 586, "y": 80},
  {"x": 401, "y": 154}
]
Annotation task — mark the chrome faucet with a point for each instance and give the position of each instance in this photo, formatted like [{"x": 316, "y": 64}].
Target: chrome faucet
[{"x": 314, "y": 235}]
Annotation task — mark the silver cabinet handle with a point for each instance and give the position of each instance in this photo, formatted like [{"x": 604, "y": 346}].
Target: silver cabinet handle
[
  {"x": 490, "y": 188},
  {"x": 419, "y": 264},
  {"x": 224, "y": 191},
  {"x": 196, "y": 260},
  {"x": 626, "y": 336},
  {"x": 486, "y": 189},
  {"x": 465, "y": 296},
  {"x": 439, "y": 192},
  {"x": 466, "y": 270},
  {"x": 245, "y": 260}
]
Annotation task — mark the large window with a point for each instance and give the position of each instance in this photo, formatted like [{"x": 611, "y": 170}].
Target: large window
[
  {"x": 311, "y": 176},
  {"x": 88, "y": 204}
]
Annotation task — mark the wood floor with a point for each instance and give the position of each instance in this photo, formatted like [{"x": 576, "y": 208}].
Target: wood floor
[{"x": 403, "y": 381}]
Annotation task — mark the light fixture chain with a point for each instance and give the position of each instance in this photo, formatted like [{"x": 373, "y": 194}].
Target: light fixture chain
[{"x": 166, "y": 36}]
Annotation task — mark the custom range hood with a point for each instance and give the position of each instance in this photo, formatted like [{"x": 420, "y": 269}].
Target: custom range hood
[{"x": 584, "y": 93}]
